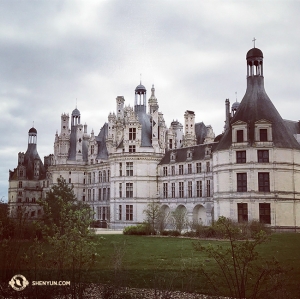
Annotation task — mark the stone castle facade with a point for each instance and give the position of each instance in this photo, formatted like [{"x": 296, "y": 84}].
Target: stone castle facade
[{"x": 249, "y": 172}]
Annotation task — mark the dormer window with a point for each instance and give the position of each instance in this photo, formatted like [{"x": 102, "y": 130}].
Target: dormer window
[
  {"x": 263, "y": 135},
  {"x": 173, "y": 157},
  {"x": 189, "y": 155},
  {"x": 239, "y": 133},
  {"x": 239, "y": 136},
  {"x": 132, "y": 133},
  {"x": 263, "y": 131}
]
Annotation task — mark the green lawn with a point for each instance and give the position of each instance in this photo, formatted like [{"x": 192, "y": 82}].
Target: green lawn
[{"x": 169, "y": 262}]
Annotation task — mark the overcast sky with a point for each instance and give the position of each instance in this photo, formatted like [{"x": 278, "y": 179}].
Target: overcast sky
[{"x": 54, "y": 52}]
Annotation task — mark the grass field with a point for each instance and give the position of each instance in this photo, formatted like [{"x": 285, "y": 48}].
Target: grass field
[{"x": 169, "y": 262}]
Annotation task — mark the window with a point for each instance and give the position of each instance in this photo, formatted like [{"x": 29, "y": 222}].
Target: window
[
  {"x": 104, "y": 193},
  {"x": 108, "y": 175},
  {"x": 173, "y": 190},
  {"x": 89, "y": 178},
  {"x": 199, "y": 188},
  {"x": 263, "y": 182},
  {"x": 21, "y": 173},
  {"x": 263, "y": 156},
  {"x": 208, "y": 188},
  {"x": 241, "y": 182},
  {"x": 198, "y": 167},
  {"x": 129, "y": 212},
  {"x": 120, "y": 212},
  {"x": 239, "y": 136},
  {"x": 20, "y": 184},
  {"x": 99, "y": 194},
  {"x": 120, "y": 169},
  {"x": 131, "y": 148},
  {"x": 89, "y": 194},
  {"x": 132, "y": 133},
  {"x": 165, "y": 170},
  {"x": 180, "y": 169},
  {"x": 100, "y": 176},
  {"x": 173, "y": 170},
  {"x": 190, "y": 189},
  {"x": 165, "y": 190},
  {"x": 103, "y": 213},
  {"x": 70, "y": 181},
  {"x": 92, "y": 149},
  {"x": 207, "y": 166},
  {"x": 99, "y": 212},
  {"x": 104, "y": 176},
  {"x": 129, "y": 168},
  {"x": 242, "y": 212},
  {"x": 108, "y": 193},
  {"x": 265, "y": 213},
  {"x": 263, "y": 134},
  {"x": 189, "y": 168},
  {"x": 170, "y": 143},
  {"x": 83, "y": 197},
  {"x": 94, "y": 177},
  {"x": 120, "y": 190},
  {"x": 241, "y": 157},
  {"x": 181, "y": 190},
  {"x": 93, "y": 195},
  {"x": 129, "y": 190},
  {"x": 20, "y": 200}
]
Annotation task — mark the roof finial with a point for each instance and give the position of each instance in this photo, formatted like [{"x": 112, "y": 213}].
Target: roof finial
[{"x": 254, "y": 39}]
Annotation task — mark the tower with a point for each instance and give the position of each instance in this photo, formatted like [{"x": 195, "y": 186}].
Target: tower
[{"x": 189, "y": 136}]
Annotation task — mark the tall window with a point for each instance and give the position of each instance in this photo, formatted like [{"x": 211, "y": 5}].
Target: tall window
[
  {"x": 94, "y": 177},
  {"x": 120, "y": 190},
  {"x": 89, "y": 178},
  {"x": 132, "y": 133},
  {"x": 241, "y": 157},
  {"x": 190, "y": 189},
  {"x": 170, "y": 143},
  {"x": 198, "y": 167},
  {"x": 263, "y": 134},
  {"x": 104, "y": 176},
  {"x": 263, "y": 182},
  {"x": 129, "y": 212},
  {"x": 173, "y": 170},
  {"x": 239, "y": 136},
  {"x": 241, "y": 182},
  {"x": 181, "y": 190},
  {"x": 129, "y": 190},
  {"x": 199, "y": 189},
  {"x": 120, "y": 169},
  {"x": 99, "y": 212},
  {"x": 165, "y": 170},
  {"x": 20, "y": 184},
  {"x": 89, "y": 194},
  {"x": 165, "y": 190},
  {"x": 100, "y": 194},
  {"x": 180, "y": 169},
  {"x": 263, "y": 156},
  {"x": 208, "y": 188},
  {"x": 207, "y": 166},
  {"x": 131, "y": 148},
  {"x": 129, "y": 168},
  {"x": 120, "y": 212},
  {"x": 104, "y": 193},
  {"x": 265, "y": 213},
  {"x": 100, "y": 176},
  {"x": 108, "y": 175},
  {"x": 173, "y": 190},
  {"x": 242, "y": 212},
  {"x": 93, "y": 194},
  {"x": 189, "y": 168},
  {"x": 108, "y": 193}
]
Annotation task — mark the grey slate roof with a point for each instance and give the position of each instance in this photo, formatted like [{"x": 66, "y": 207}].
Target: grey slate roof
[
  {"x": 181, "y": 153},
  {"x": 101, "y": 140},
  {"x": 145, "y": 121},
  {"x": 255, "y": 106}
]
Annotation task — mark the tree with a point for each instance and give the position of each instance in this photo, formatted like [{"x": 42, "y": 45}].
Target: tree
[
  {"x": 154, "y": 215},
  {"x": 59, "y": 202},
  {"x": 240, "y": 267},
  {"x": 180, "y": 219}
]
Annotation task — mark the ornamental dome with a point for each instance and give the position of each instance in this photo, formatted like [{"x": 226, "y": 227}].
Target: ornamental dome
[
  {"x": 235, "y": 105},
  {"x": 33, "y": 130},
  {"x": 140, "y": 89},
  {"x": 254, "y": 52},
  {"x": 75, "y": 112}
]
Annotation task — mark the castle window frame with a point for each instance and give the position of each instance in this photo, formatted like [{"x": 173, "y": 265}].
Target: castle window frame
[
  {"x": 173, "y": 157},
  {"x": 173, "y": 170},
  {"x": 20, "y": 184},
  {"x": 190, "y": 189},
  {"x": 129, "y": 212},
  {"x": 173, "y": 190},
  {"x": 199, "y": 189},
  {"x": 241, "y": 157},
  {"x": 265, "y": 213},
  {"x": 264, "y": 182},
  {"x": 208, "y": 191},
  {"x": 129, "y": 168},
  {"x": 199, "y": 167},
  {"x": 120, "y": 190},
  {"x": 181, "y": 189},
  {"x": 263, "y": 156},
  {"x": 165, "y": 171},
  {"x": 239, "y": 132},
  {"x": 120, "y": 212},
  {"x": 180, "y": 169},
  {"x": 129, "y": 190},
  {"x": 241, "y": 182},
  {"x": 242, "y": 209},
  {"x": 132, "y": 133},
  {"x": 207, "y": 166},
  {"x": 190, "y": 169},
  {"x": 165, "y": 190},
  {"x": 120, "y": 169},
  {"x": 263, "y": 131},
  {"x": 132, "y": 149}
]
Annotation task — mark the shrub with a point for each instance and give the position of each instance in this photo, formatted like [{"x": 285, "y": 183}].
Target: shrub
[
  {"x": 140, "y": 229},
  {"x": 174, "y": 233}
]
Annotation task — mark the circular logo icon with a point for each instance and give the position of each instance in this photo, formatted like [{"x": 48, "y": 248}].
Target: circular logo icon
[{"x": 18, "y": 282}]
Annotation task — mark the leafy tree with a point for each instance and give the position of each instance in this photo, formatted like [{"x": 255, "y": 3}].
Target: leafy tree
[{"x": 240, "y": 267}]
